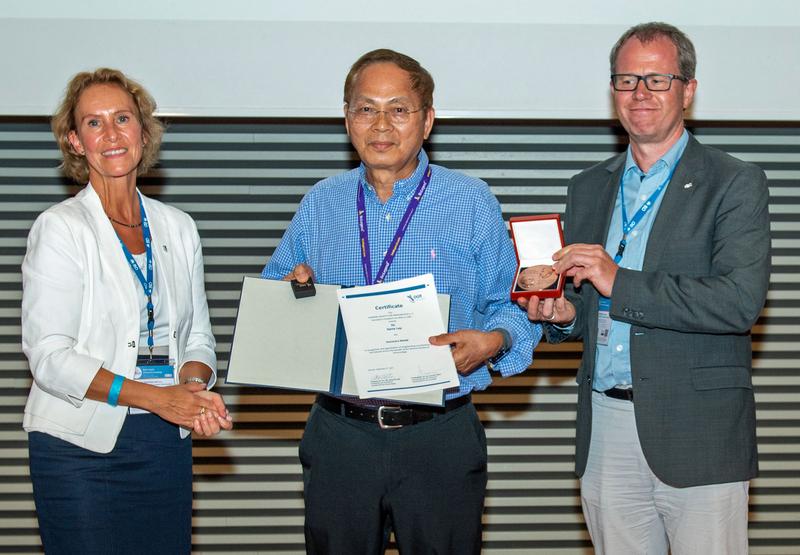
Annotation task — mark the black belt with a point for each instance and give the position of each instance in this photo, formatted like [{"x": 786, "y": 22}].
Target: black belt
[
  {"x": 390, "y": 416},
  {"x": 618, "y": 393}
]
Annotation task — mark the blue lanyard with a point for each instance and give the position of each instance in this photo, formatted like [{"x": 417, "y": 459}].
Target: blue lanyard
[
  {"x": 147, "y": 284},
  {"x": 628, "y": 226},
  {"x": 366, "y": 263}
]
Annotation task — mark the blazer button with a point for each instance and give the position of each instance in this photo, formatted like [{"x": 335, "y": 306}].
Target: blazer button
[{"x": 132, "y": 344}]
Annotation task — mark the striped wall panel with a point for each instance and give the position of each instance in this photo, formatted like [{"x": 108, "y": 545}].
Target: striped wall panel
[{"x": 242, "y": 182}]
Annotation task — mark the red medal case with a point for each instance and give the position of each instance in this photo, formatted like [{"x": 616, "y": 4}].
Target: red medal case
[{"x": 536, "y": 239}]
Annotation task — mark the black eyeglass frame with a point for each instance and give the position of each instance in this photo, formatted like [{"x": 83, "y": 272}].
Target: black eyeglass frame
[{"x": 646, "y": 78}]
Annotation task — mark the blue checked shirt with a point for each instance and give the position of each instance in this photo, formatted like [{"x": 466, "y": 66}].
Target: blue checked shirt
[
  {"x": 457, "y": 234},
  {"x": 613, "y": 361}
]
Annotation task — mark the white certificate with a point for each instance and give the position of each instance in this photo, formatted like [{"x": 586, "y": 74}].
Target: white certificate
[{"x": 388, "y": 326}]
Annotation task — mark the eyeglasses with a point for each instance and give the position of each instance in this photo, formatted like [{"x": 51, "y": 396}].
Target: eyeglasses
[
  {"x": 653, "y": 81},
  {"x": 397, "y": 115}
]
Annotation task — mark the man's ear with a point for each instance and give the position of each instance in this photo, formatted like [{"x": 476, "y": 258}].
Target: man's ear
[
  {"x": 688, "y": 93},
  {"x": 430, "y": 115}
]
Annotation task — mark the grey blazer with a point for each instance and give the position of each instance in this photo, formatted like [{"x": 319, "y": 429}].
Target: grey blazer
[{"x": 702, "y": 286}]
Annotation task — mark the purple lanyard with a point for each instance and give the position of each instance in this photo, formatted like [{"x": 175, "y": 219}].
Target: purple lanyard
[{"x": 366, "y": 264}]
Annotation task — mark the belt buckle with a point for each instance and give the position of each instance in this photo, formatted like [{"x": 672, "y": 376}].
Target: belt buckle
[{"x": 380, "y": 417}]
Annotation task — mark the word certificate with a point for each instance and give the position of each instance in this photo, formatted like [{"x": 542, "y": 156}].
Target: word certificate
[{"x": 388, "y": 326}]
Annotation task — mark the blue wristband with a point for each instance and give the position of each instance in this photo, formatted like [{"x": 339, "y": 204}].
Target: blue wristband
[{"x": 113, "y": 391}]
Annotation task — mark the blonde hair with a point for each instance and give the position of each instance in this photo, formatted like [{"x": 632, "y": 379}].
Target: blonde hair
[{"x": 63, "y": 121}]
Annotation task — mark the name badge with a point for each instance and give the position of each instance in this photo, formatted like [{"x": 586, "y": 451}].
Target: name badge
[
  {"x": 603, "y": 327},
  {"x": 158, "y": 371},
  {"x": 604, "y": 321}
]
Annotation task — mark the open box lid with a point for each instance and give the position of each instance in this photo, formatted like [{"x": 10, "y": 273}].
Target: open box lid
[{"x": 536, "y": 239}]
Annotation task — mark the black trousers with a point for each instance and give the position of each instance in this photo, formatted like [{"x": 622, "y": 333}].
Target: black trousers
[{"x": 425, "y": 482}]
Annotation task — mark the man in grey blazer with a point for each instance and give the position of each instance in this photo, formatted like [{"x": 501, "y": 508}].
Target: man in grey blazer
[{"x": 668, "y": 249}]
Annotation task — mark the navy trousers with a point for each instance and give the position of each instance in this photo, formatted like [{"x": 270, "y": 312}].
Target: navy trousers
[{"x": 135, "y": 499}]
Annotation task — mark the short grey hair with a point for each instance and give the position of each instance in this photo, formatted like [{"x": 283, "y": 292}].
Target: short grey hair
[{"x": 648, "y": 32}]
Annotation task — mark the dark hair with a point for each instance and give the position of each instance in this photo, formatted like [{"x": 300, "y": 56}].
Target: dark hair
[
  {"x": 648, "y": 32},
  {"x": 63, "y": 121},
  {"x": 421, "y": 80}
]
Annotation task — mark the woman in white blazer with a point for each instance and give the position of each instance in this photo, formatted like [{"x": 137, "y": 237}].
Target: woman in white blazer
[{"x": 115, "y": 326}]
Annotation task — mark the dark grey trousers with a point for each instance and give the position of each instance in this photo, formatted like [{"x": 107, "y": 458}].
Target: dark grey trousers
[{"x": 425, "y": 482}]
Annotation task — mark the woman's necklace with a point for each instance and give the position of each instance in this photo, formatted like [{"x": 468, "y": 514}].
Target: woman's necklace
[
  {"x": 132, "y": 226},
  {"x": 113, "y": 221}
]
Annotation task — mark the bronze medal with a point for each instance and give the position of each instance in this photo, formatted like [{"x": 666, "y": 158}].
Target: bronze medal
[{"x": 537, "y": 278}]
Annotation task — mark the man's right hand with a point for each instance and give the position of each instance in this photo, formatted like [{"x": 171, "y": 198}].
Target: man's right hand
[
  {"x": 553, "y": 311},
  {"x": 302, "y": 273}
]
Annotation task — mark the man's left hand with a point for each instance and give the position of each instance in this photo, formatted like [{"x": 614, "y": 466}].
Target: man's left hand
[
  {"x": 470, "y": 348},
  {"x": 587, "y": 263}
]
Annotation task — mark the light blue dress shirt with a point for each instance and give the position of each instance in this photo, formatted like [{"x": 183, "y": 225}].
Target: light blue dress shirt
[
  {"x": 613, "y": 361},
  {"x": 457, "y": 234}
]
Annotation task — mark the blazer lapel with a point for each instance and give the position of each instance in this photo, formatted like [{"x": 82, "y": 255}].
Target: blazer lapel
[
  {"x": 607, "y": 199},
  {"x": 113, "y": 259},
  {"x": 162, "y": 258},
  {"x": 606, "y": 202},
  {"x": 677, "y": 200}
]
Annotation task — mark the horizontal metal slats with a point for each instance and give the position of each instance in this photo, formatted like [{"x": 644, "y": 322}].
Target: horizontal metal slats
[{"x": 242, "y": 182}]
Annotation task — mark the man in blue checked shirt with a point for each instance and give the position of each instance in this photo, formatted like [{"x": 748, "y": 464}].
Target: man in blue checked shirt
[
  {"x": 417, "y": 470},
  {"x": 668, "y": 247}
]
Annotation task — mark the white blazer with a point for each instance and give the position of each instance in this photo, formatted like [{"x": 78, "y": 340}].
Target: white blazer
[{"x": 80, "y": 312}]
